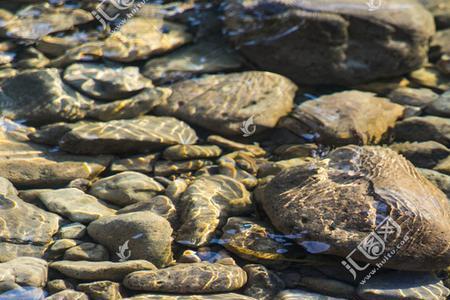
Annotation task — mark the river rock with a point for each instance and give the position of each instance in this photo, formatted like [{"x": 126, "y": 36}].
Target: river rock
[
  {"x": 36, "y": 21},
  {"x": 225, "y": 143},
  {"x": 205, "y": 206},
  {"x": 24, "y": 271},
  {"x": 57, "y": 45},
  {"x": 100, "y": 270},
  {"x": 106, "y": 82},
  {"x": 27, "y": 229},
  {"x": 413, "y": 97},
  {"x": 101, "y": 290},
  {"x": 189, "y": 279},
  {"x": 137, "y": 163},
  {"x": 143, "y": 134},
  {"x": 431, "y": 77},
  {"x": 223, "y": 102},
  {"x": 301, "y": 294},
  {"x": 421, "y": 129},
  {"x": 323, "y": 35},
  {"x": 68, "y": 294},
  {"x": 90, "y": 51},
  {"x": 87, "y": 251},
  {"x": 75, "y": 205},
  {"x": 422, "y": 155},
  {"x": 160, "y": 205},
  {"x": 350, "y": 117},
  {"x": 375, "y": 186},
  {"x": 262, "y": 284},
  {"x": 227, "y": 296},
  {"x": 141, "y": 38},
  {"x": 166, "y": 168},
  {"x": 440, "y": 180},
  {"x": 126, "y": 188},
  {"x": 147, "y": 235},
  {"x": 440, "y": 107},
  {"x": 403, "y": 285},
  {"x": 45, "y": 100},
  {"x": 209, "y": 56},
  {"x": 440, "y": 11},
  {"x": 72, "y": 231},
  {"x": 182, "y": 152}
]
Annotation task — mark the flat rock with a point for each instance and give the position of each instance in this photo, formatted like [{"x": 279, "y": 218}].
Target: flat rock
[
  {"x": 333, "y": 40},
  {"x": 373, "y": 185},
  {"x": 421, "y": 129},
  {"x": 26, "y": 230},
  {"x": 147, "y": 235},
  {"x": 30, "y": 293},
  {"x": 440, "y": 180},
  {"x": 227, "y": 296},
  {"x": 45, "y": 100},
  {"x": 101, "y": 290},
  {"x": 188, "y": 279},
  {"x": 160, "y": 205},
  {"x": 440, "y": 107},
  {"x": 235, "y": 146},
  {"x": 68, "y": 294},
  {"x": 182, "y": 152},
  {"x": 422, "y": 155},
  {"x": 141, "y": 38},
  {"x": 75, "y": 205},
  {"x": 100, "y": 270},
  {"x": 206, "y": 204},
  {"x": 300, "y": 294},
  {"x": 223, "y": 102},
  {"x": 166, "y": 168},
  {"x": 403, "y": 285},
  {"x": 413, "y": 97},
  {"x": 138, "y": 163},
  {"x": 36, "y": 21},
  {"x": 24, "y": 271},
  {"x": 72, "y": 231},
  {"x": 87, "y": 251},
  {"x": 126, "y": 188},
  {"x": 144, "y": 134},
  {"x": 350, "y": 117},
  {"x": 209, "y": 56},
  {"x": 106, "y": 82},
  {"x": 431, "y": 77},
  {"x": 262, "y": 283}
]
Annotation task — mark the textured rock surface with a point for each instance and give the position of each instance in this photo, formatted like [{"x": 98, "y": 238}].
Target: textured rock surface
[
  {"x": 101, "y": 290},
  {"x": 423, "y": 155},
  {"x": 300, "y": 294},
  {"x": 68, "y": 294},
  {"x": 148, "y": 236},
  {"x": 160, "y": 205},
  {"x": 420, "y": 129},
  {"x": 222, "y": 102},
  {"x": 348, "y": 117},
  {"x": 26, "y": 271},
  {"x": 440, "y": 180},
  {"x": 275, "y": 34},
  {"x": 101, "y": 270},
  {"x": 227, "y": 296},
  {"x": 182, "y": 152},
  {"x": 189, "y": 278},
  {"x": 262, "y": 284},
  {"x": 126, "y": 188},
  {"x": 369, "y": 184},
  {"x": 206, "y": 204}
]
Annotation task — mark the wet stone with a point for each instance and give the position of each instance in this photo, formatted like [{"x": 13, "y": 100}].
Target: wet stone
[
  {"x": 58, "y": 44},
  {"x": 235, "y": 146},
  {"x": 166, "y": 168},
  {"x": 413, "y": 97},
  {"x": 295, "y": 294},
  {"x": 68, "y": 294},
  {"x": 182, "y": 152},
  {"x": 136, "y": 235},
  {"x": 262, "y": 283},
  {"x": 101, "y": 290},
  {"x": 222, "y": 103},
  {"x": 104, "y": 270},
  {"x": 440, "y": 180},
  {"x": 136, "y": 163},
  {"x": 420, "y": 129},
  {"x": 160, "y": 205},
  {"x": 59, "y": 246},
  {"x": 87, "y": 52},
  {"x": 422, "y": 155},
  {"x": 205, "y": 206},
  {"x": 431, "y": 77},
  {"x": 87, "y": 252},
  {"x": 72, "y": 231},
  {"x": 58, "y": 285},
  {"x": 227, "y": 296},
  {"x": 189, "y": 279},
  {"x": 440, "y": 107},
  {"x": 24, "y": 271},
  {"x": 126, "y": 188},
  {"x": 106, "y": 82},
  {"x": 350, "y": 117},
  {"x": 361, "y": 182}
]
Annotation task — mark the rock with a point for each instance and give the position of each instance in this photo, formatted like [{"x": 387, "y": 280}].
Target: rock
[
  {"x": 27, "y": 230},
  {"x": 29, "y": 293},
  {"x": 141, "y": 38},
  {"x": 275, "y": 167},
  {"x": 262, "y": 284},
  {"x": 88, "y": 252},
  {"x": 209, "y": 56},
  {"x": 440, "y": 44},
  {"x": 443, "y": 166},
  {"x": 75, "y": 205},
  {"x": 36, "y": 21},
  {"x": 58, "y": 285},
  {"x": 376, "y": 187},
  {"x": 403, "y": 285},
  {"x": 46, "y": 100},
  {"x": 289, "y": 151},
  {"x": 57, "y": 45},
  {"x": 136, "y": 106},
  {"x": 80, "y": 183},
  {"x": 106, "y": 82},
  {"x": 223, "y": 102},
  {"x": 205, "y": 206},
  {"x": 72, "y": 231},
  {"x": 189, "y": 279},
  {"x": 422, "y": 155},
  {"x": 144, "y": 134},
  {"x": 59, "y": 246},
  {"x": 89, "y": 51},
  {"x": 160, "y": 205},
  {"x": 333, "y": 41},
  {"x": 101, "y": 270},
  {"x": 31, "y": 165},
  {"x": 421, "y": 129},
  {"x": 30, "y": 58},
  {"x": 440, "y": 180},
  {"x": 440, "y": 107},
  {"x": 101, "y": 290},
  {"x": 413, "y": 97},
  {"x": 176, "y": 189},
  {"x": 430, "y": 77},
  {"x": 257, "y": 242},
  {"x": 350, "y": 117},
  {"x": 440, "y": 11},
  {"x": 137, "y": 163},
  {"x": 25, "y": 271},
  {"x": 182, "y": 152},
  {"x": 235, "y": 146},
  {"x": 68, "y": 294},
  {"x": 148, "y": 235},
  {"x": 166, "y": 168},
  {"x": 227, "y": 296},
  {"x": 300, "y": 294},
  {"x": 126, "y": 188}
]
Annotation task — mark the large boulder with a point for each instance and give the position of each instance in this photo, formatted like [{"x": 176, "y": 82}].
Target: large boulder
[
  {"x": 344, "y": 202},
  {"x": 338, "y": 42}
]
